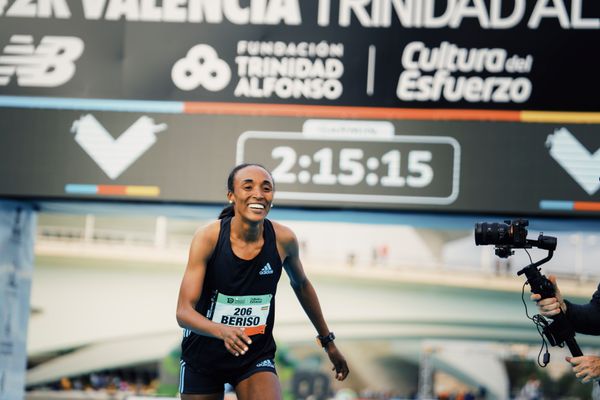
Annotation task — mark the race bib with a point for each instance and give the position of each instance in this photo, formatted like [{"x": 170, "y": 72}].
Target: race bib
[{"x": 247, "y": 312}]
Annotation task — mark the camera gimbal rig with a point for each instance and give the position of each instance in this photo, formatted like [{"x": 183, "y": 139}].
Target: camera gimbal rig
[
  {"x": 559, "y": 331},
  {"x": 512, "y": 235}
]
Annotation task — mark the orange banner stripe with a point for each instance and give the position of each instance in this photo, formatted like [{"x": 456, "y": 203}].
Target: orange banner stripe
[
  {"x": 112, "y": 189},
  {"x": 295, "y": 110},
  {"x": 586, "y": 206}
]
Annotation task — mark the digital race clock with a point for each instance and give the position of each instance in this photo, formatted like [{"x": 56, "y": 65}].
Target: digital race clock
[{"x": 357, "y": 168}]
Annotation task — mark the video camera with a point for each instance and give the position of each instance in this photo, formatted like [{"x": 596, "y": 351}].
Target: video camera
[
  {"x": 513, "y": 235},
  {"x": 510, "y": 235}
]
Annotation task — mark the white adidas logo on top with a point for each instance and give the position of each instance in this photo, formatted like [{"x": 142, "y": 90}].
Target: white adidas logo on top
[{"x": 266, "y": 270}]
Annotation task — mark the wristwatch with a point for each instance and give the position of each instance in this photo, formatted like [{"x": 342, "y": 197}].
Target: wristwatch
[{"x": 325, "y": 340}]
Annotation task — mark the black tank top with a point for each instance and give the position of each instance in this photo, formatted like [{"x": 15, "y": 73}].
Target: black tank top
[{"x": 236, "y": 292}]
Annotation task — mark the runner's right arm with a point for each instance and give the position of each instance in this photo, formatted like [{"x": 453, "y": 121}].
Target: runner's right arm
[{"x": 203, "y": 245}]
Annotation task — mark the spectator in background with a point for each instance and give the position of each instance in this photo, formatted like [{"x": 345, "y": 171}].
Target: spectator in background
[{"x": 531, "y": 389}]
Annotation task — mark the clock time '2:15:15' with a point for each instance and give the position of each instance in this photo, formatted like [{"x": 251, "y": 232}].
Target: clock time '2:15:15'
[{"x": 353, "y": 167}]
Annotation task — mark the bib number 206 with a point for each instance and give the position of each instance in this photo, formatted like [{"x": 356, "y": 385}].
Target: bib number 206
[{"x": 242, "y": 311}]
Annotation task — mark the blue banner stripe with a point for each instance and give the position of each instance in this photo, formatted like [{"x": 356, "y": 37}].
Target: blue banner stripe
[
  {"x": 60, "y": 103},
  {"x": 81, "y": 189},
  {"x": 556, "y": 205}
]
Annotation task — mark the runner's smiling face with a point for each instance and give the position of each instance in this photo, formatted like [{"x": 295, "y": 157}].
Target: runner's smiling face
[{"x": 252, "y": 193}]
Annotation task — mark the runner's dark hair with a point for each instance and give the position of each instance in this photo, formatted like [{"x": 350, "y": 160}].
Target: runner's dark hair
[{"x": 228, "y": 211}]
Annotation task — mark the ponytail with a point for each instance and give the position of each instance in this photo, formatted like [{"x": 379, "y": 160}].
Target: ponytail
[{"x": 228, "y": 211}]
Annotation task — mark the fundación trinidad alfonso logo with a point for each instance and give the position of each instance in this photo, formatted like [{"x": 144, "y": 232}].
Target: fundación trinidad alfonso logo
[
  {"x": 573, "y": 157},
  {"x": 115, "y": 155},
  {"x": 201, "y": 67},
  {"x": 49, "y": 64}
]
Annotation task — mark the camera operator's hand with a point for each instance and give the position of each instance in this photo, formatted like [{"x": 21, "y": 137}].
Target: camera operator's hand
[
  {"x": 553, "y": 305},
  {"x": 586, "y": 368}
]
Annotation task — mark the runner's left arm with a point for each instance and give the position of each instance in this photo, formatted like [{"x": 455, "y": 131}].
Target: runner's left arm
[{"x": 307, "y": 296}]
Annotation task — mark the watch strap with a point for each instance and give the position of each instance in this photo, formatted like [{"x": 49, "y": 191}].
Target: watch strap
[{"x": 325, "y": 340}]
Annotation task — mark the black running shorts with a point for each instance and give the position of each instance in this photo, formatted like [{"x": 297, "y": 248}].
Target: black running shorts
[{"x": 192, "y": 381}]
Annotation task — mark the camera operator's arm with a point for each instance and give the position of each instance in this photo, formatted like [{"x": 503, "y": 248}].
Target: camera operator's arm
[{"x": 585, "y": 318}]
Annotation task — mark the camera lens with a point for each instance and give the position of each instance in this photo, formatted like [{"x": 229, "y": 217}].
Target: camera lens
[{"x": 493, "y": 233}]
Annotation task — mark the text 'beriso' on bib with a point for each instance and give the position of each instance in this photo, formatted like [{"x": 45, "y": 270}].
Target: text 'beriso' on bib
[{"x": 247, "y": 312}]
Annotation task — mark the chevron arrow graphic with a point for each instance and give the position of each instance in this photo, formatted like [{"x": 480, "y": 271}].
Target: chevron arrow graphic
[
  {"x": 112, "y": 155},
  {"x": 569, "y": 153}
]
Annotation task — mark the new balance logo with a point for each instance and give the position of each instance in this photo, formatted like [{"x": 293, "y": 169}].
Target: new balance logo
[
  {"x": 266, "y": 270},
  {"x": 266, "y": 363},
  {"x": 50, "y": 64}
]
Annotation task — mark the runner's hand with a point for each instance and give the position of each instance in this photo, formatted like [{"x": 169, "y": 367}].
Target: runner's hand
[
  {"x": 236, "y": 341},
  {"x": 339, "y": 362}
]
